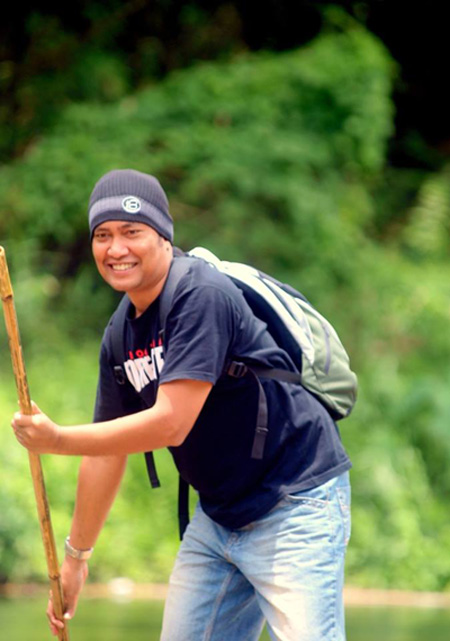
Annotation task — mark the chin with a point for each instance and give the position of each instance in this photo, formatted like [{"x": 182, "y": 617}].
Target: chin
[{"x": 117, "y": 286}]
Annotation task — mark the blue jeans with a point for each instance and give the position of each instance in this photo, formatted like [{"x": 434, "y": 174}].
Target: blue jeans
[{"x": 286, "y": 569}]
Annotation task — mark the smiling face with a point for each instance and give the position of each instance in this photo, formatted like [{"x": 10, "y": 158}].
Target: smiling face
[{"x": 132, "y": 258}]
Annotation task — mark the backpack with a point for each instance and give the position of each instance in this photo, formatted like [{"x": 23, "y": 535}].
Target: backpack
[
  {"x": 309, "y": 339},
  {"x": 323, "y": 365}
]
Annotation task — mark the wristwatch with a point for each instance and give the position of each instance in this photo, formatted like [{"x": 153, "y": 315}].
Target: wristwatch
[{"x": 81, "y": 555}]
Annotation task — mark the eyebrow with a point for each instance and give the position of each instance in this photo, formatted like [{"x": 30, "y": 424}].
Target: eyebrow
[
  {"x": 129, "y": 224},
  {"x": 125, "y": 225}
]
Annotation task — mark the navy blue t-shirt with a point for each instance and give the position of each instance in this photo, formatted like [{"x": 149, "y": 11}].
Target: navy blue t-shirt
[{"x": 210, "y": 324}]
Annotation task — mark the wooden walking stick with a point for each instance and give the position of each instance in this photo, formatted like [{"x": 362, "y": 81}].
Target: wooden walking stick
[{"x": 18, "y": 363}]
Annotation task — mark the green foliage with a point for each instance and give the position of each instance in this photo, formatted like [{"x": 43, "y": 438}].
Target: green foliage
[
  {"x": 277, "y": 145},
  {"x": 98, "y": 51},
  {"x": 276, "y": 160},
  {"x": 427, "y": 233}
]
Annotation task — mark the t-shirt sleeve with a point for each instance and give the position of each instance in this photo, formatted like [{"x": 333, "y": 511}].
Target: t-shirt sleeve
[
  {"x": 111, "y": 402},
  {"x": 199, "y": 333}
]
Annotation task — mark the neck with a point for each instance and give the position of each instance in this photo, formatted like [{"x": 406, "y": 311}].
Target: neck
[{"x": 143, "y": 299}]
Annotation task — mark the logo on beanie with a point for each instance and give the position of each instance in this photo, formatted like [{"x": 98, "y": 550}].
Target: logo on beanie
[{"x": 131, "y": 204}]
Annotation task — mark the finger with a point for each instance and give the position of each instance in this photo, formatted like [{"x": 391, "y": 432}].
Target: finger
[
  {"x": 18, "y": 434},
  {"x": 21, "y": 420},
  {"x": 70, "y": 610},
  {"x": 57, "y": 624},
  {"x": 18, "y": 429},
  {"x": 56, "y": 627},
  {"x": 54, "y": 630},
  {"x": 54, "y": 622}
]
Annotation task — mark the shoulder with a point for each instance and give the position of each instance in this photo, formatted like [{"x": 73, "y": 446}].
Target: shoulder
[
  {"x": 201, "y": 297},
  {"x": 200, "y": 276}
]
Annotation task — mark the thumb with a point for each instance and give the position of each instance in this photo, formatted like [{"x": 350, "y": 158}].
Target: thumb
[
  {"x": 70, "y": 610},
  {"x": 35, "y": 409}
]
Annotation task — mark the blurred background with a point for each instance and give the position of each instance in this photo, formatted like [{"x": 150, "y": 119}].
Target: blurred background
[{"x": 310, "y": 139}]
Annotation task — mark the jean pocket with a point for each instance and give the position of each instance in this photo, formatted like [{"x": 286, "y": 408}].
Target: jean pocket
[
  {"x": 344, "y": 500},
  {"x": 310, "y": 498}
]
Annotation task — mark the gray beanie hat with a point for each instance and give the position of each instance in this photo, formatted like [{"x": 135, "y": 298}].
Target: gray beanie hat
[{"x": 126, "y": 194}]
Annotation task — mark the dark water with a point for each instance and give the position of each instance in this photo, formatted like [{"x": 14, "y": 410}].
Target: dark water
[{"x": 104, "y": 620}]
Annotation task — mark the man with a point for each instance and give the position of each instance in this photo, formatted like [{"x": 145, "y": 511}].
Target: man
[{"x": 268, "y": 538}]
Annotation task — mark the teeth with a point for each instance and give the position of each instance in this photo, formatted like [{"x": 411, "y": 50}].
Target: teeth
[{"x": 122, "y": 267}]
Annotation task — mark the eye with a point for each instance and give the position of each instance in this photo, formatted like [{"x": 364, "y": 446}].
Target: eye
[{"x": 100, "y": 236}]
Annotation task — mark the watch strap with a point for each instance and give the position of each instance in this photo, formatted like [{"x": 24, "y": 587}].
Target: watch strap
[{"x": 75, "y": 553}]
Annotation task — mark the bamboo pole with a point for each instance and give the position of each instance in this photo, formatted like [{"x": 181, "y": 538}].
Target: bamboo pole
[{"x": 43, "y": 509}]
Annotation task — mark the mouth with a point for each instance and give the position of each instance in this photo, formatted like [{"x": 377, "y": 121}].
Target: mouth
[{"x": 121, "y": 267}]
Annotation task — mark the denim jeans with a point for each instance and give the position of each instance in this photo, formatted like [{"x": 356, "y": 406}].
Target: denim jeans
[{"x": 286, "y": 569}]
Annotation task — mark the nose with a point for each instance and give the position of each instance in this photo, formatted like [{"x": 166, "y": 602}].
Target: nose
[{"x": 117, "y": 247}]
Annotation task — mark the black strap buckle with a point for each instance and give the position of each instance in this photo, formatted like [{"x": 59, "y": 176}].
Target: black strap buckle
[{"x": 237, "y": 369}]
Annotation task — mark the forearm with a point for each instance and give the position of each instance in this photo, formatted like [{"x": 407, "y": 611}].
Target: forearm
[
  {"x": 98, "y": 482},
  {"x": 167, "y": 423},
  {"x": 140, "y": 432}
]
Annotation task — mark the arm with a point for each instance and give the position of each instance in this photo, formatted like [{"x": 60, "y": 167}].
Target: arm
[
  {"x": 167, "y": 423},
  {"x": 98, "y": 482}
]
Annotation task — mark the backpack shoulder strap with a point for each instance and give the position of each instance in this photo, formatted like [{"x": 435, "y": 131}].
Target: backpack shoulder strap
[
  {"x": 116, "y": 331},
  {"x": 179, "y": 267},
  {"x": 183, "y": 506}
]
